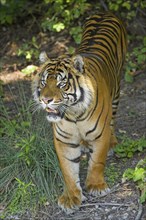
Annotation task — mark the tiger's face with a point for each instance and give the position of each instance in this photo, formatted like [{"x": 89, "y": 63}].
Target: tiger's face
[{"x": 61, "y": 88}]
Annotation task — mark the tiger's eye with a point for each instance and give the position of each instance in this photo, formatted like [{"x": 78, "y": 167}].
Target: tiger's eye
[{"x": 62, "y": 84}]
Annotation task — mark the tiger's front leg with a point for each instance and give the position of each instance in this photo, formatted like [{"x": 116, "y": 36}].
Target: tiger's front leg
[
  {"x": 95, "y": 182},
  {"x": 69, "y": 157}
]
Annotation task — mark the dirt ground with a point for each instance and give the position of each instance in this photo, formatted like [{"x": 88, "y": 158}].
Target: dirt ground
[{"x": 122, "y": 203}]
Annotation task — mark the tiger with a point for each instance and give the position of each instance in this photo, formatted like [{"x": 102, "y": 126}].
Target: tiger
[{"x": 80, "y": 94}]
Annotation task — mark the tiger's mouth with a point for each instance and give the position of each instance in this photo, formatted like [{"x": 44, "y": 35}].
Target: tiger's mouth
[
  {"x": 49, "y": 110},
  {"x": 54, "y": 112}
]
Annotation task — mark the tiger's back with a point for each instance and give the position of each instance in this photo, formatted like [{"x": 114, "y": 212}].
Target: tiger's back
[
  {"x": 104, "y": 40},
  {"x": 104, "y": 37}
]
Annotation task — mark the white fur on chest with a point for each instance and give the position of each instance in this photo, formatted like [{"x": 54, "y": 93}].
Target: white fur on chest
[{"x": 78, "y": 131}]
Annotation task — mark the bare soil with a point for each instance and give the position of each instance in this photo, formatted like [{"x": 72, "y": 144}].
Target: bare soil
[{"x": 123, "y": 201}]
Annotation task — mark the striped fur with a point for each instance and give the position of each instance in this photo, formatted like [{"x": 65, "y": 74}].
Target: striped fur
[{"x": 80, "y": 94}]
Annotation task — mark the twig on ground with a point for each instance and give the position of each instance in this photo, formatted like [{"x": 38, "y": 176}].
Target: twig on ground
[
  {"x": 138, "y": 217},
  {"x": 104, "y": 204}
]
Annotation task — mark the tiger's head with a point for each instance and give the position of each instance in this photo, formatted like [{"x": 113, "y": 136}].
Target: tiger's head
[{"x": 62, "y": 87}]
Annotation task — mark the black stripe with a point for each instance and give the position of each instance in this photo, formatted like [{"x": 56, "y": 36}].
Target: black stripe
[
  {"x": 100, "y": 51},
  {"x": 114, "y": 112},
  {"x": 108, "y": 46},
  {"x": 97, "y": 60},
  {"x": 74, "y": 95},
  {"x": 102, "y": 130},
  {"x": 71, "y": 145},
  {"x": 48, "y": 65},
  {"x": 79, "y": 118},
  {"x": 94, "y": 106},
  {"x": 95, "y": 126},
  {"x": 70, "y": 76},
  {"x": 63, "y": 64},
  {"x": 110, "y": 38},
  {"x": 68, "y": 119},
  {"x": 74, "y": 86},
  {"x": 62, "y": 135},
  {"x": 94, "y": 18},
  {"x": 92, "y": 58},
  {"x": 81, "y": 99},
  {"x": 76, "y": 160},
  {"x": 60, "y": 71},
  {"x": 110, "y": 32},
  {"x": 109, "y": 25},
  {"x": 106, "y": 57},
  {"x": 62, "y": 130},
  {"x": 66, "y": 88}
]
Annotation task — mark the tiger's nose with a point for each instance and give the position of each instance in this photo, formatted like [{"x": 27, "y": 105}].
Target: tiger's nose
[{"x": 46, "y": 100}]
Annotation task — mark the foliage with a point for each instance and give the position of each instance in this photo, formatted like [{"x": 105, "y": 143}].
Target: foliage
[
  {"x": 136, "y": 61},
  {"x": 29, "y": 49},
  {"x": 128, "y": 9},
  {"x": 138, "y": 175},
  {"x": 128, "y": 147},
  {"x": 29, "y": 166},
  {"x": 59, "y": 14},
  {"x": 63, "y": 14},
  {"x": 10, "y": 9},
  {"x": 76, "y": 33}
]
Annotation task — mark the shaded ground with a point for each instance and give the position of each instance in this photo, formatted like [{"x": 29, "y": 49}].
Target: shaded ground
[{"x": 123, "y": 201}]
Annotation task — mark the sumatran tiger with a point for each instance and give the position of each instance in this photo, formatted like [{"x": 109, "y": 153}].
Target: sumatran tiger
[{"x": 80, "y": 94}]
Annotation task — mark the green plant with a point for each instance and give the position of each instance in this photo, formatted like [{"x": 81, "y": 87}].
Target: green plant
[
  {"x": 136, "y": 61},
  {"x": 26, "y": 149},
  {"x": 29, "y": 70},
  {"x": 76, "y": 33},
  {"x": 138, "y": 175},
  {"x": 29, "y": 50},
  {"x": 128, "y": 147},
  {"x": 24, "y": 193}
]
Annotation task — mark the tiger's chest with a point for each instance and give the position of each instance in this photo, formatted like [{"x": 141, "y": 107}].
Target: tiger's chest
[{"x": 71, "y": 132}]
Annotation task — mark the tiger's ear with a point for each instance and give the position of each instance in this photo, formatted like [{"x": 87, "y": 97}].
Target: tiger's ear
[
  {"x": 43, "y": 57},
  {"x": 78, "y": 63}
]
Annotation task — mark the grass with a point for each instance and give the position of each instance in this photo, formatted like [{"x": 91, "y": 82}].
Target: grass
[
  {"x": 29, "y": 166},
  {"x": 112, "y": 173}
]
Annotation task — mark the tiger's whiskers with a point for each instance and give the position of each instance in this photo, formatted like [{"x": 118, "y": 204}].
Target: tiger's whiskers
[{"x": 34, "y": 107}]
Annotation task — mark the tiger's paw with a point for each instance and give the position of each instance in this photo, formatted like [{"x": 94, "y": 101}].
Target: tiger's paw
[
  {"x": 70, "y": 203},
  {"x": 98, "y": 189}
]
